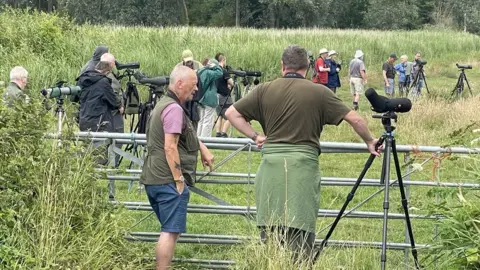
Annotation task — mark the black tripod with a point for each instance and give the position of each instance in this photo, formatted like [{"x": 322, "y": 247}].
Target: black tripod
[
  {"x": 458, "y": 90},
  {"x": 390, "y": 147},
  {"x": 234, "y": 88},
  {"x": 144, "y": 112},
  {"x": 416, "y": 80}
]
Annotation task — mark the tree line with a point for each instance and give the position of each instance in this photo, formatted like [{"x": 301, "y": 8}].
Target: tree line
[{"x": 351, "y": 14}]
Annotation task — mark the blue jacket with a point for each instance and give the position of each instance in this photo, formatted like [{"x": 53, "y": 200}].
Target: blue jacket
[
  {"x": 400, "y": 69},
  {"x": 333, "y": 78}
]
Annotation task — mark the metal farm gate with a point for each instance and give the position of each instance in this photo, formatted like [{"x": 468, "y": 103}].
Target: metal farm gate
[{"x": 115, "y": 141}]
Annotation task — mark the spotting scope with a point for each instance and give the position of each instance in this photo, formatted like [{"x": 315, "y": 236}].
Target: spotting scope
[
  {"x": 381, "y": 104},
  {"x": 56, "y": 92}
]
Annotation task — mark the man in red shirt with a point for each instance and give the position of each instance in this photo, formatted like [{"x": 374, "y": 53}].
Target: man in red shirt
[{"x": 321, "y": 69}]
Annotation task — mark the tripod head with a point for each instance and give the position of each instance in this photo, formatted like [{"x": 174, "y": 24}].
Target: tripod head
[
  {"x": 389, "y": 108},
  {"x": 387, "y": 120}
]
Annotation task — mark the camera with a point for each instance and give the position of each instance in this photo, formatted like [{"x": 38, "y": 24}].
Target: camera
[{"x": 464, "y": 66}]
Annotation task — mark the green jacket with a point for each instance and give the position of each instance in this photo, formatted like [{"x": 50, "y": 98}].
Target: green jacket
[
  {"x": 12, "y": 93},
  {"x": 207, "y": 77},
  {"x": 155, "y": 168}
]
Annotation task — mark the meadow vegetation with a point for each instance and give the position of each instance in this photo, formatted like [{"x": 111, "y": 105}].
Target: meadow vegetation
[{"x": 54, "y": 212}]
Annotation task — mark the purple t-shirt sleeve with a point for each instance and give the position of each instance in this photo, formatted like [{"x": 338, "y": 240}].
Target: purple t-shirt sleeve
[{"x": 172, "y": 118}]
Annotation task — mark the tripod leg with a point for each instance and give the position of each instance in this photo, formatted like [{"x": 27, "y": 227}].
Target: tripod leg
[
  {"x": 425, "y": 82},
  {"x": 404, "y": 203},
  {"x": 385, "y": 178},
  {"x": 349, "y": 198},
  {"x": 468, "y": 84},
  {"x": 457, "y": 86}
]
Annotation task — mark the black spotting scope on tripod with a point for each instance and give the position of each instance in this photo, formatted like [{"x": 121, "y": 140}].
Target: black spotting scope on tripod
[
  {"x": 462, "y": 79},
  {"x": 388, "y": 108}
]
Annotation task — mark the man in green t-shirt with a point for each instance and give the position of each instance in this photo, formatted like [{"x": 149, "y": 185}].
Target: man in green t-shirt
[{"x": 292, "y": 112}]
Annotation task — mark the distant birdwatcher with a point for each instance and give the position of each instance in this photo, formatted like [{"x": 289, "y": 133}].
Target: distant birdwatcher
[
  {"x": 16, "y": 89},
  {"x": 403, "y": 80},
  {"x": 321, "y": 68},
  {"x": 333, "y": 74},
  {"x": 357, "y": 77},
  {"x": 189, "y": 61},
  {"x": 389, "y": 75}
]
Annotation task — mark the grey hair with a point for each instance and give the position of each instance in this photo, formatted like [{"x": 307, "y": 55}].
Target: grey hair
[
  {"x": 295, "y": 58},
  {"x": 177, "y": 73},
  {"x": 103, "y": 67},
  {"x": 18, "y": 73}
]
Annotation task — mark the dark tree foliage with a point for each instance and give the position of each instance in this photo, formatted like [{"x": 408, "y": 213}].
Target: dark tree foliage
[{"x": 364, "y": 14}]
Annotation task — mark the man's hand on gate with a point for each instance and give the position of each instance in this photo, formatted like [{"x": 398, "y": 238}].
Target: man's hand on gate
[
  {"x": 207, "y": 157},
  {"x": 260, "y": 140}
]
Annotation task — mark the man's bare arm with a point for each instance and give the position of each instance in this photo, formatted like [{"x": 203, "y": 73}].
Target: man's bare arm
[
  {"x": 385, "y": 77},
  {"x": 364, "y": 76},
  {"x": 172, "y": 155},
  {"x": 239, "y": 122},
  {"x": 359, "y": 125}
]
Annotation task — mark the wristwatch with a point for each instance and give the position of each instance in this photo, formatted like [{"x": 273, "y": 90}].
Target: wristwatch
[
  {"x": 254, "y": 136},
  {"x": 180, "y": 180}
]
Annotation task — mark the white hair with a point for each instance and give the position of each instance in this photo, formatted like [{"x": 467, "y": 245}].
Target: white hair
[
  {"x": 107, "y": 57},
  {"x": 18, "y": 73},
  {"x": 179, "y": 72},
  {"x": 404, "y": 57}
]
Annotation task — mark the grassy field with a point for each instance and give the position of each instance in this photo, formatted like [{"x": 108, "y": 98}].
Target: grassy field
[{"x": 52, "y": 49}]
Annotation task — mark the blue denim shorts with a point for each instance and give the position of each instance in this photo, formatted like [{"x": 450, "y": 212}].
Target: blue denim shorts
[
  {"x": 169, "y": 206},
  {"x": 390, "y": 90}
]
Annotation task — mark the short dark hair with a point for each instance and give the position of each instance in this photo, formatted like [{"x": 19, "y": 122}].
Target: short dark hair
[
  {"x": 295, "y": 58},
  {"x": 220, "y": 57}
]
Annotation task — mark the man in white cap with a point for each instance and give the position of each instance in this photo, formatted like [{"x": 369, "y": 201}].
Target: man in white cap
[
  {"x": 321, "y": 68},
  {"x": 187, "y": 60},
  {"x": 192, "y": 105},
  {"x": 358, "y": 77}
]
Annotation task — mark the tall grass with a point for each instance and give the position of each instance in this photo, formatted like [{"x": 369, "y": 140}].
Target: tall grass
[{"x": 68, "y": 223}]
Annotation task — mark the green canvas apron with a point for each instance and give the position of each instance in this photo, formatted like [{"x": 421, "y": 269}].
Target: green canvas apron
[{"x": 287, "y": 186}]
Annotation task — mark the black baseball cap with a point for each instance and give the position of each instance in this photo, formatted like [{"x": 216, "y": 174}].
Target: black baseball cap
[{"x": 394, "y": 56}]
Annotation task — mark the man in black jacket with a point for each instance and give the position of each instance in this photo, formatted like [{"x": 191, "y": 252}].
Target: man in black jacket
[{"x": 97, "y": 99}]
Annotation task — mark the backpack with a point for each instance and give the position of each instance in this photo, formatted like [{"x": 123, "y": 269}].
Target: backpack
[{"x": 132, "y": 99}]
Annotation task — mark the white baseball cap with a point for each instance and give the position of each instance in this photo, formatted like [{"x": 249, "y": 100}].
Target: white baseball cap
[{"x": 322, "y": 51}]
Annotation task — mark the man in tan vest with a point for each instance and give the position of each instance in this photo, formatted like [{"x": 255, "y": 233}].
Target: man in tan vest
[{"x": 168, "y": 170}]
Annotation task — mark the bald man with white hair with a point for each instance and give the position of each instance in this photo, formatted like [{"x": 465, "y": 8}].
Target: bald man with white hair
[
  {"x": 169, "y": 168},
  {"x": 16, "y": 88}
]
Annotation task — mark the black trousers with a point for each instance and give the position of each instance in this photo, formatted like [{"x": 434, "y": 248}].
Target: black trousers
[{"x": 300, "y": 242}]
